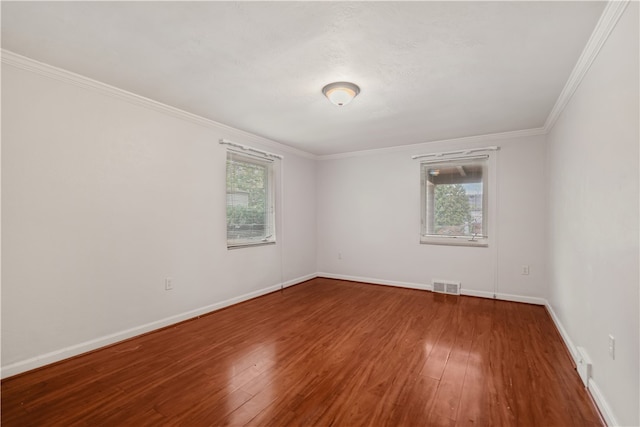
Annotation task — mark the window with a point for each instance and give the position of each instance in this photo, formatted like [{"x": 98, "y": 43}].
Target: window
[
  {"x": 454, "y": 201},
  {"x": 250, "y": 201}
]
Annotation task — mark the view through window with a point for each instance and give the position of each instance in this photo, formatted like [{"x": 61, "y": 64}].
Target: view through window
[
  {"x": 454, "y": 201},
  {"x": 250, "y": 211}
]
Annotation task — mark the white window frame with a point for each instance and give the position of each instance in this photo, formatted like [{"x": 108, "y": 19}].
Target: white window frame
[
  {"x": 269, "y": 237},
  {"x": 457, "y": 240}
]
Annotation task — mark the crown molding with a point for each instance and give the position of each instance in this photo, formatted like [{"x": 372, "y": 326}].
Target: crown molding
[
  {"x": 28, "y": 64},
  {"x": 454, "y": 141},
  {"x": 607, "y": 22}
]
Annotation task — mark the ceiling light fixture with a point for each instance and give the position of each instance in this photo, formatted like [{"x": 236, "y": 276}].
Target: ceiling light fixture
[{"x": 340, "y": 93}]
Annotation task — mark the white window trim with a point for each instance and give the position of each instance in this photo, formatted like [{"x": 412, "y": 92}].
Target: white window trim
[
  {"x": 258, "y": 159},
  {"x": 478, "y": 241}
]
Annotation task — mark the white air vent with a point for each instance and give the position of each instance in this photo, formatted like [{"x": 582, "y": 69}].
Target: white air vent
[{"x": 446, "y": 287}]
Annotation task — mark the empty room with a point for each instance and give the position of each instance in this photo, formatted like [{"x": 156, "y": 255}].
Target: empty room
[{"x": 320, "y": 213}]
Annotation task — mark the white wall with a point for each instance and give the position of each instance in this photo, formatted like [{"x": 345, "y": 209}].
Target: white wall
[
  {"x": 593, "y": 176},
  {"x": 102, "y": 199},
  {"x": 369, "y": 212}
]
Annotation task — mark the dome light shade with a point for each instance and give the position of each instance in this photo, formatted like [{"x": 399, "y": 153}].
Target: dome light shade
[{"x": 340, "y": 93}]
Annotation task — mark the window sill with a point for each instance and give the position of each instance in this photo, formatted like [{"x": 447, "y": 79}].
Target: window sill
[
  {"x": 454, "y": 241},
  {"x": 250, "y": 245}
]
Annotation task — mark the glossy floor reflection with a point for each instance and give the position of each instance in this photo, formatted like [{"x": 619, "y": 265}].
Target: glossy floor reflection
[{"x": 325, "y": 352}]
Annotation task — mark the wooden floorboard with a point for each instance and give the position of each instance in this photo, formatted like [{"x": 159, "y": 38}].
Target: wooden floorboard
[{"x": 325, "y": 352}]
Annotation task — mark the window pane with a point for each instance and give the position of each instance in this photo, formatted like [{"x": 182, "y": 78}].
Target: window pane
[
  {"x": 454, "y": 199},
  {"x": 249, "y": 210},
  {"x": 452, "y": 210}
]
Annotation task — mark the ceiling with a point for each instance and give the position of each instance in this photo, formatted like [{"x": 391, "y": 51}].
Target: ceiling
[{"x": 427, "y": 70}]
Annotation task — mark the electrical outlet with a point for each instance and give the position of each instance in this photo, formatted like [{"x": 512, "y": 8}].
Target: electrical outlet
[
  {"x": 524, "y": 270},
  {"x": 612, "y": 347},
  {"x": 168, "y": 284},
  {"x": 339, "y": 255}
]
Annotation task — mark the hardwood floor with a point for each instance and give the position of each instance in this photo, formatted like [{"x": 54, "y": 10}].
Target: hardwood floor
[{"x": 325, "y": 352}]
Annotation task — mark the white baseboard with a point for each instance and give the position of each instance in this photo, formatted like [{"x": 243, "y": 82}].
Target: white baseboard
[
  {"x": 601, "y": 403},
  {"x": 563, "y": 333},
  {"x": 504, "y": 297},
  {"x": 521, "y": 298},
  {"x": 299, "y": 280},
  {"x": 420, "y": 286},
  {"x": 75, "y": 350},
  {"x": 479, "y": 294},
  {"x": 429, "y": 287}
]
